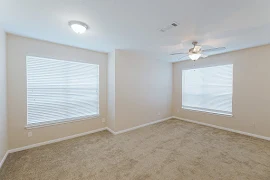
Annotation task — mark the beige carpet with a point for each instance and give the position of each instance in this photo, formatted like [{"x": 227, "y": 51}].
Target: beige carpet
[{"x": 169, "y": 150}]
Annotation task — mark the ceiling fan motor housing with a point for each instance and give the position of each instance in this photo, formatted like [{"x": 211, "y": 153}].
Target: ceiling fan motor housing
[{"x": 192, "y": 51}]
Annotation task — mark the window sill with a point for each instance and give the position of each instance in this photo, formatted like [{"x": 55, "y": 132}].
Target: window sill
[
  {"x": 208, "y": 112},
  {"x": 53, "y": 123}
]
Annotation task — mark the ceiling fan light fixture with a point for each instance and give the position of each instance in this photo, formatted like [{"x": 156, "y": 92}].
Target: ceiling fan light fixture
[
  {"x": 196, "y": 52},
  {"x": 78, "y": 26},
  {"x": 194, "y": 56}
]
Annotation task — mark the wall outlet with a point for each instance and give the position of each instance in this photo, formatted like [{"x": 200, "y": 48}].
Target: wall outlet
[
  {"x": 103, "y": 120},
  {"x": 158, "y": 113},
  {"x": 178, "y": 110},
  {"x": 30, "y": 134}
]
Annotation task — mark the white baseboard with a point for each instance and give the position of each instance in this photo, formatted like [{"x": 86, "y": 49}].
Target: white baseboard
[
  {"x": 223, "y": 128},
  {"x": 136, "y": 127},
  {"x": 55, "y": 140},
  {"x": 77, "y": 135},
  {"x": 110, "y": 130},
  {"x": 3, "y": 159},
  {"x": 126, "y": 130}
]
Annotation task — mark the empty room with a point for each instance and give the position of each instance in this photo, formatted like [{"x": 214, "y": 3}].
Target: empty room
[{"x": 134, "y": 90}]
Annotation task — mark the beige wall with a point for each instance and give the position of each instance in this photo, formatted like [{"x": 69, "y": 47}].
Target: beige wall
[
  {"x": 17, "y": 50},
  {"x": 3, "y": 115},
  {"x": 139, "y": 88},
  {"x": 111, "y": 91},
  {"x": 143, "y": 88},
  {"x": 251, "y": 87}
]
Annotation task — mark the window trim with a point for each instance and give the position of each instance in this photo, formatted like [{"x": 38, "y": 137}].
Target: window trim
[
  {"x": 62, "y": 121},
  {"x": 207, "y": 111},
  {"x": 68, "y": 120}
]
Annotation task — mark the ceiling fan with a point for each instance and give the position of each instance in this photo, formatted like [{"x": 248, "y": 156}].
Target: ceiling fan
[{"x": 196, "y": 52}]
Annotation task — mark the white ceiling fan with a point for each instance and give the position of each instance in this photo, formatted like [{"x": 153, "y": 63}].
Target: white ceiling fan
[{"x": 196, "y": 52}]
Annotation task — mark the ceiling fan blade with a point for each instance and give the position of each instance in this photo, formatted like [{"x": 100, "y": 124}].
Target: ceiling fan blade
[
  {"x": 183, "y": 57},
  {"x": 204, "y": 56},
  {"x": 214, "y": 49},
  {"x": 177, "y": 53}
]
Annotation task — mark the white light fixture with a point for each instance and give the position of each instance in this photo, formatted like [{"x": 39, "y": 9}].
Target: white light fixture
[
  {"x": 78, "y": 26},
  {"x": 194, "y": 56}
]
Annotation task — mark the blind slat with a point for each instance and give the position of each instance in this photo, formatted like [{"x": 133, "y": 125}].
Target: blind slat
[
  {"x": 60, "y": 90},
  {"x": 208, "y": 89}
]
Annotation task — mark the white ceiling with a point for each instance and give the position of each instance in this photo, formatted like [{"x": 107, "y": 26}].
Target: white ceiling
[{"x": 126, "y": 24}]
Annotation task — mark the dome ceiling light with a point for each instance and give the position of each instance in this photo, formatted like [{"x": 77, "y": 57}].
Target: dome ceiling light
[{"x": 78, "y": 26}]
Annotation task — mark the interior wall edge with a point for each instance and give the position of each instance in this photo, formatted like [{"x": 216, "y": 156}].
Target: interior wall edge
[
  {"x": 3, "y": 159},
  {"x": 52, "y": 42},
  {"x": 3, "y": 96},
  {"x": 140, "y": 126}
]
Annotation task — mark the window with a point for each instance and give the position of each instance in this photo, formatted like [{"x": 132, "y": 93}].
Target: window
[
  {"x": 208, "y": 89},
  {"x": 60, "y": 90}
]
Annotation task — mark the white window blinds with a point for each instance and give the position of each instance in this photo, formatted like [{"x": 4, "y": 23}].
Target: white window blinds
[
  {"x": 60, "y": 90},
  {"x": 208, "y": 89}
]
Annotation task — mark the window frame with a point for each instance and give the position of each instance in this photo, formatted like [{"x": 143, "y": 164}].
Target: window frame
[
  {"x": 61, "y": 121},
  {"x": 207, "y": 111}
]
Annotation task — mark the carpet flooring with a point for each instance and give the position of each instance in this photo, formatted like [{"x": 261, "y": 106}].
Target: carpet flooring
[{"x": 172, "y": 150}]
